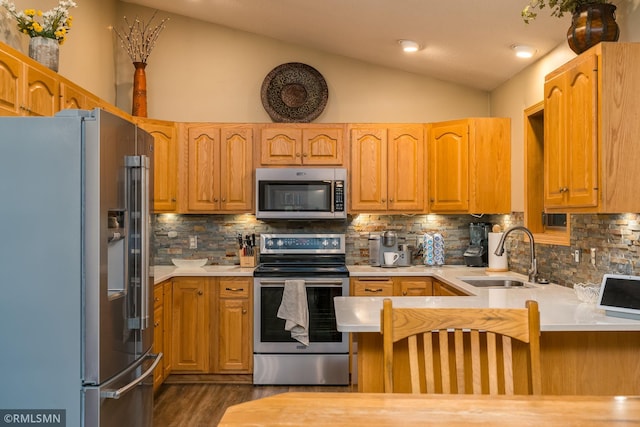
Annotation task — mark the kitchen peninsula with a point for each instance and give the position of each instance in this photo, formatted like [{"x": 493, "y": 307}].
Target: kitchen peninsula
[{"x": 583, "y": 352}]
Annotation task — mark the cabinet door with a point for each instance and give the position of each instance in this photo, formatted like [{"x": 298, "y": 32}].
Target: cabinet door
[
  {"x": 414, "y": 287},
  {"x": 11, "y": 80},
  {"x": 323, "y": 146},
  {"x": 204, "y": 168},
  {"x": 445, "y": 290},
  {"x": 42, "y": 93},
  {"x": 554, "y": 141},
  {"x": 368, "y": 169},
  {"x": 72, "y": 96},
  {"x": 582, "y": 133},
  {"x": 405, "y": 184},
  {"x": 190, "y": 325},
  {"x": 236, "y": 169},
  {"x": 372, "y": 286},
  {"x": 168, "y": 325},
  {"x": 281, "y": 146},
  {"x": 165, "y": 164},
  {"x": 158, "y": 344},
  {"x": 449, "y": 167},
  {"x": 235, "y": 338}
]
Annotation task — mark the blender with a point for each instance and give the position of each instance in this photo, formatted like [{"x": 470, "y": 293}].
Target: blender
[{"x": 477, "y": 254}]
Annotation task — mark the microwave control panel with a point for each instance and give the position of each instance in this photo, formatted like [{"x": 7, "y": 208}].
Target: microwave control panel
[{"x": 338, "y": 196}]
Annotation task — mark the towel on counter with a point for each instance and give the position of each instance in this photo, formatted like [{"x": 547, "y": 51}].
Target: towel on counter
[{"x": 295, "y": 310}]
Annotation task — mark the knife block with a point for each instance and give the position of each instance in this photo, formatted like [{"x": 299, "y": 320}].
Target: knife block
[{"x": 248, "y": 261}]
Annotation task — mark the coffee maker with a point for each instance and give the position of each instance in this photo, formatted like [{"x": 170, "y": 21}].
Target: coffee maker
[
  {"x": 477, "y": 254},
  {"x": 379, "y": 244}
]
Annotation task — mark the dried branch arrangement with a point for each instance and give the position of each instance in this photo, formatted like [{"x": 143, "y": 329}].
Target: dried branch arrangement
[{"x": 140, "y": 38}]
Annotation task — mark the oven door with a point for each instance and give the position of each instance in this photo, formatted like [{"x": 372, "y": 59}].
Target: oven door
[{"x": 270, "y": 335}]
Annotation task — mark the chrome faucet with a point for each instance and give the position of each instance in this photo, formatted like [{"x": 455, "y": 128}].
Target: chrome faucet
[{"x": 533, "y": 269}]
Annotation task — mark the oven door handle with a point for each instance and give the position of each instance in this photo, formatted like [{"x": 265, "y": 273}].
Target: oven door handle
[{"x": 333, "y": 283}]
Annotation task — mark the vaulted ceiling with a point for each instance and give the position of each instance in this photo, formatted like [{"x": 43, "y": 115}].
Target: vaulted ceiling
[{"x": 462, "y": 41}]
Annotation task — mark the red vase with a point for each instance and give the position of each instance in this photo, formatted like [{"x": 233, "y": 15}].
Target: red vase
[
  {"x": 139, "y": 105},
  {"x": 592, "y": 24}
]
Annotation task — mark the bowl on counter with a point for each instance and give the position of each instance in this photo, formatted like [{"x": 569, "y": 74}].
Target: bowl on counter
[
  {"x": 587, "y": 292},
  {"x": 200, "y": 262}
]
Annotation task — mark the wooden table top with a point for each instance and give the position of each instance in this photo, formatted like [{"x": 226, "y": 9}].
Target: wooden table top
[{"x": 379, "y": 409}]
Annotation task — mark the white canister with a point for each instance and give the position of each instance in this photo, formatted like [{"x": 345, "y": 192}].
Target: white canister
[{"x": 496, "y": 263}]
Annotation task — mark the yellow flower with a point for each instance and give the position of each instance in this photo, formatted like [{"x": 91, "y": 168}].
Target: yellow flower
[
  {"x": 30, "y": 12},
  {"x": 37, "y": 27},
  {"x": 39, "y": 13}
]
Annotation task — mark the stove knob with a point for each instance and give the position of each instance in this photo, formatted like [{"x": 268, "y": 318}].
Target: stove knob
[
  {"x": 269, "y": 242},
  {"x": 335, "y": 242},
  {"x": 280, "y": 243},
  {"x": 325, "y": 243}
]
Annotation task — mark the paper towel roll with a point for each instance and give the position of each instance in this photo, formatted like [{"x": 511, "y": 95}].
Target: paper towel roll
[{"x": 496, "y": 263}]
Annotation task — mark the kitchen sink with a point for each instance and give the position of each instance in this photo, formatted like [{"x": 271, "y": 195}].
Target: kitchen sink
[{"x": 495, "y": 282}]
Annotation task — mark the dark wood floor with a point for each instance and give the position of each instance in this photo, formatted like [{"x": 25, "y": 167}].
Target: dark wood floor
[{"x": 200, "y": 405}]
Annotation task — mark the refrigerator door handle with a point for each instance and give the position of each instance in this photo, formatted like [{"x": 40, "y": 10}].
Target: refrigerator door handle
[
  {"x": 116, "y": 394},
  {"x": 144, "y": 237}
]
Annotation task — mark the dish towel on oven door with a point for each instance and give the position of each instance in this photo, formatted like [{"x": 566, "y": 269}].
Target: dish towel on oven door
[{"x": 295, "y": 311}]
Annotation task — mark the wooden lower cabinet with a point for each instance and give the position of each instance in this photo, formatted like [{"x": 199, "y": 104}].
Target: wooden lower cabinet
[
  {"x": 190, "y": 329},
  {"x": 446, "y": 290},
  {"x": 162, "y": 330},
  {"x": 372, "y": 286},
  {"x": 212, "y": 330},
  {"x": 413, "y": 286},
  {"x": 233, "y": 337}
]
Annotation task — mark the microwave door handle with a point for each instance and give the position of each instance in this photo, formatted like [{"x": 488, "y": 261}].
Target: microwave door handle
[{"x": 333, "y": 196}]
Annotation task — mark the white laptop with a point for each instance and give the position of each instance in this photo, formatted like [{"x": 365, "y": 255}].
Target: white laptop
[{"x": 620, "y": 296}]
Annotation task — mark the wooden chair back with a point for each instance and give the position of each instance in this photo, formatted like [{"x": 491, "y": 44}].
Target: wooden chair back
[{"x": 462, "y": 350}]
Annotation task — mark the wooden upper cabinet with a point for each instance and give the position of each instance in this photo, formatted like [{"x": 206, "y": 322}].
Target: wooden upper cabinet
[
  {"x": 42, "y": 93},
  {"x": 308, "y": 144},
  {"x": 220, "y": 168},
  {"x": 236, "y": 169},
  {"x": 405, "y": 168},
  {"x": 470, "y": 166},
  {"x": 387, "y": 168},
  {"x": 165, "y": 164},
  {"x": 73, "y": 96},
  {"x": 571, "y": 173},
  {"x": 449, "y": 167},
  {"x": 11, "y": 82},
  {"x": 368, "y": 172},
  {"x": 25, "y": 89}
]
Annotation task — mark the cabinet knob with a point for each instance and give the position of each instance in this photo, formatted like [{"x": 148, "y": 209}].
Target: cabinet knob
[
  {"x": 297, "y": 154},
  {"x": 215, "y": 199},
  {"x": 304, "y": 155},
  {"x": 156, "y": 324},
  {"x": 390, "y": 200},
  {"x": 384, "y": 200},
  {"x": 244, "y": 311},
  {"x": 200, "y": 293},
  {"x": 224, "y": 199}
]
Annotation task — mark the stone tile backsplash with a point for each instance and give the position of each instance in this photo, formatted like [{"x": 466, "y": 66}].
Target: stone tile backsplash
[{"x": 615, "y": 237}]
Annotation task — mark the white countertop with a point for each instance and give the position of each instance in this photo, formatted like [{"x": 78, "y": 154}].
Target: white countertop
[
  {"x": 560, "y": 309},
  {"x": 164, "y": 272}
]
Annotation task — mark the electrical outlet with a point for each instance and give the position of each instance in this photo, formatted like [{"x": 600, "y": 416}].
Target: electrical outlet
[
  {"x": 576, "y": 255},
  {"x": 193, "y": 242},
  {"x": 593, "y": 256}
]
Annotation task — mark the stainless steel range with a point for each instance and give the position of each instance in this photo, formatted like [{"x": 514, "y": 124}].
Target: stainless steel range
[{"x": 318, "y": 260}]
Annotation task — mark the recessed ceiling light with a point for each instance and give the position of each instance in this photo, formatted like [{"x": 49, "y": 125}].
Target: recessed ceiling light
[
  {"x": 523, "y": 51},
  {"x": 409, "y": 45}
]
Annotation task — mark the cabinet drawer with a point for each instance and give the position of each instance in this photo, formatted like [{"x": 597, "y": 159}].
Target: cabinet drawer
[
  {"x": 158, "y": 296},
  {"x": 234, "y": 288},
  {"x": 373, "y": 287}
]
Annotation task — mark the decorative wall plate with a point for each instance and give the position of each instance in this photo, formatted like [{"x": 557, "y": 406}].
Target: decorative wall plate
[{"x": 294, "y": 92}]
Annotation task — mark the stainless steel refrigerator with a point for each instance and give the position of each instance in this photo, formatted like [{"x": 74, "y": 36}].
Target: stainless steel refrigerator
[{"x": 76, "y": 313}]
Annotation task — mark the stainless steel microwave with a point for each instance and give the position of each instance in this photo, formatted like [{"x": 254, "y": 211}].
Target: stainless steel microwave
[{"x": 301, "y": 193}]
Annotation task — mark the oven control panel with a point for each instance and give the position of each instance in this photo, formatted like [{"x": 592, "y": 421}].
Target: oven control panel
[{"x": 302, "y": 243}]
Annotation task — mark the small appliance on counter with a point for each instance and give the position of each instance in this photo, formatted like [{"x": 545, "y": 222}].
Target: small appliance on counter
[
  {"x": 406, "y": 254},
  {"x": 477, "y": 254},
  {"x": 381, "y": 243}
]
